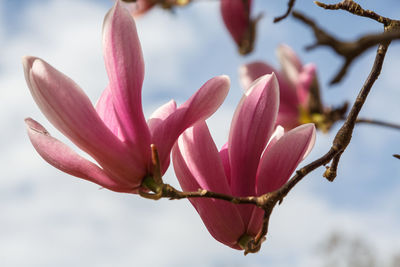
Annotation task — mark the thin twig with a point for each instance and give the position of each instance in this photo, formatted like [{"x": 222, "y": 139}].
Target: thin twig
[
  {"x": 356, "y": 9},
  {"x": 379, "y": 123},
  {"x": 343, "y": 136},
  {"x": 348, "y": 50},
  {"x": 288, "y": 10}
]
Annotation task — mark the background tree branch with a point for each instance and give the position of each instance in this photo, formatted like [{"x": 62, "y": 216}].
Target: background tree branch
[
  {"x": 288, "y": 10},
  {"x": 348, "y": 50}
]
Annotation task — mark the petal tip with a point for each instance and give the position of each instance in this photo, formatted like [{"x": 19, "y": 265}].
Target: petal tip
[
  {"x": 33, "y": 125},
  {"x": 27, "y": 61},
  {"x": 225, "y": 78}
]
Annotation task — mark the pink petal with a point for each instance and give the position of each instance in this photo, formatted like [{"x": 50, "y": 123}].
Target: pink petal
[
  {"x": 198, "y": 107},
  {"x": 288, "y": 94},
  {"x": 276, "y": 135},
  {"x": 70, "y": 111},
  {"x": 158, "y": 117},
  {"x": 288, "y": 116},
  {"x": 105, "y": 109},
  {"x": 65, "y": 159},
  {"x": 304, "y": 83},
  {"x": 290, "y": 63},
  {"x": 251, "y": 128},
  {"x": 256, "y": 221},
  {"x": 125, "y": 68},
  {"x": 248, "y": 73},
  {"x": 236, "y": 16},
  {"x": 156, "y": 124},
  {"x": 224, "y": 155},
  {"x": 279, "y": 162},
  {"x": 197, "y": 165}
]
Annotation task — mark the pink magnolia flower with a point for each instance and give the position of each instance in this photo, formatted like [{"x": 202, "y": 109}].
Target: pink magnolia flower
[
  {"x": 115, "y": 133},
  {"x": 295, "y": 81},
  {"x": 255, "y": 160},
  {"x": 236, "y": 16}
]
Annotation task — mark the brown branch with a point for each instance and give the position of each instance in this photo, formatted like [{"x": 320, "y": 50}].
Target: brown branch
[
  {"x": 343, "y": 137},
  {"x": 379, "y": 123},
  {"x": 396, "y": 156},
  {"x": 348, "y": 50},
  {"x": 356, "y": 9},
  {"x": 288, "y": 10}
]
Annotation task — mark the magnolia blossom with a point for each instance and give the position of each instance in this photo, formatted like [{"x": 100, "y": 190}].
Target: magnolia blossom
[
  {"x": 236, "y": 16},
  {"x": 255, "y": 160},
  {"x": 114, "y": 133},
  {"x": 295, "y": 81}
]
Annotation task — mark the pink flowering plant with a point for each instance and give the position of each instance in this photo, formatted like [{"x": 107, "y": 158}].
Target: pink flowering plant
[
  {"x": 131, "y": 155},
  {"x": 257, "y": 159},
  {"x": 114, "y": 133}
]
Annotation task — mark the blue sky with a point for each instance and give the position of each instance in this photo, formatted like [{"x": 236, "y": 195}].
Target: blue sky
[{"x": 51, "y": 219}]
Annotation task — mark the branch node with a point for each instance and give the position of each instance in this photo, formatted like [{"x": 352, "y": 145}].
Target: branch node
[{"x": 330, "y": 174}]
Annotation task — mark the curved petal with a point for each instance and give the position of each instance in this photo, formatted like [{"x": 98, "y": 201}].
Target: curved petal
[
  {"x": 256, "y": 221},
  {"x": 288, "y": 117},
  {"x": 198, "y": 107},
  {"x": 65, "y": 159},
  {"x": 248, "y": 73},
  {"x": 251, "y": 128},
  {"x": 287, "y": 94},
  {"x": 70, "y": 111},
  {"x": 105, "y": 109},
  {"x": 197, "y": 165},
  {"x": 224, "y": 155},
  {"x": 156, "y": 124},
  {"x": 281, "y": 160},
  {"x": 276, "y": 135},
  {"x": 290, "y": 63},
  {"x": 125, "y": 68},
  {"x": 304, "y": 82},
  {"x": 236, "y": 16},
  {"x": 159, "y": 115}
]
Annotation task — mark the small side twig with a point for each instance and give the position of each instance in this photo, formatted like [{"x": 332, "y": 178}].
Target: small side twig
[
  {"x": 378, "y": 123},
  {"x": 288, "y": 10}
]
